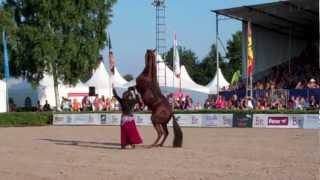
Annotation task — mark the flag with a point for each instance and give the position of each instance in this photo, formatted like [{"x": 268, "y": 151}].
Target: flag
[
  {"x": 112, "y": 61},
  {"x": 250, "y": 59},
  {"x": 176, "y": 58},
  {"x": 5, "y": 56},
  {"x": 235, "y": 77}
]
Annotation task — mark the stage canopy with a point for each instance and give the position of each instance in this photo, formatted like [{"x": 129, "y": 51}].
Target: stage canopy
[{"x": 281, "y": 30}]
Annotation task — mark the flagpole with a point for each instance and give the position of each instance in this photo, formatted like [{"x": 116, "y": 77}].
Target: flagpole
[
  {"x": 180, "y": 83},
  {"x": 247, "y": 64},
  {"x": 6, "y": 67},
  {"x": 173, "y": 62},
  {"x": 111, "y": 73},
  {"x": 217, "y": 53}
]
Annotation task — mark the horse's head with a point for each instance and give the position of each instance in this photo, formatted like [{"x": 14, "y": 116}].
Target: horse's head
[{"x": 150, "y": 57}]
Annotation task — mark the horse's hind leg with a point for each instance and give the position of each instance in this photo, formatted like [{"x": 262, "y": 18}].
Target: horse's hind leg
[
  {"x": 165, "y": 132},
  {"x": 158, "y": 128}
]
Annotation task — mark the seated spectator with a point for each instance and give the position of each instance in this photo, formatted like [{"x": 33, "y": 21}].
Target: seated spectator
[
  {"x": 260, "y": 106},
  {"x": 65, "y": 104},
  {"x": 313, "y": 103},
  {"x": 86, "y": 104},
  {"x": 234, "y": 102},
  {"x": 207, "y": 103},
  {"x": 291, "y": 103},
  {"x": 250, "y": 103},
  {"x": 46, "y": 106},
  {"x": 219, "y": 103},
  {"x": 76, "y": 106},
  {"x": 96, "y": 103},
  {"x": 304, "y": 103},
  {"x": 103, "y": 106},
  {"x": 39, "y": 107},
  {"x": 298, "y": 104},
  {"x": 189, "y": 103},
  {"x": 312, "y": 84},
  {"x": 300, "y": 85},
  {"x": 108, "y": 104}
]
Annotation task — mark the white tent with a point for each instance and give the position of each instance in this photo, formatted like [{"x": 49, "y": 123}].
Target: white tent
[
  {"x": 3, "y": 96},
  {"x": 118, "y": 80},
  {"x": 75, "y": 92},
  {"x": 172, "y": 81},
  {"x": 101, "y": 81},
  {"x": 213, "y": 83},
  {"x": 188, "y": 83},
  {"x": 45, "y": 90}
]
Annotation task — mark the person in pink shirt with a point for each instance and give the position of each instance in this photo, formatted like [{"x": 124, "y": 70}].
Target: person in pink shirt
[{"x": 219, "y": 103}]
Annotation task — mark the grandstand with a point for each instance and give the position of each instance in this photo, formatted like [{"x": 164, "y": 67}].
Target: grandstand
[
  {"x": 281, "y": 31},
  {"x": 285, "y": 45}
]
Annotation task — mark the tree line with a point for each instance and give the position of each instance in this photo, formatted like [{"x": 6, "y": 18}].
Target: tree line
[{"x": 202, "y": 71}]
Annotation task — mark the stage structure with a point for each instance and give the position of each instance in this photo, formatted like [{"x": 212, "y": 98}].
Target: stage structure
[
  {"x": 281, "y": 31},
  {"x": 161, "y": 43}
]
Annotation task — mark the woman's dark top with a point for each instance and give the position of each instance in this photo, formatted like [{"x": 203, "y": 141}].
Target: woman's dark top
[{"x": 127, "y": 105}]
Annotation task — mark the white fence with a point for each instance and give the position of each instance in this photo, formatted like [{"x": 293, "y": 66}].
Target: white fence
[
  {"x": 307, "y": 121},
  {"x": 185, "y": 120}
]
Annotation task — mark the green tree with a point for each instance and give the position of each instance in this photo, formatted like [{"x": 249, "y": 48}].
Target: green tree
[
  {"x": 187, "y": 58},
  {"x": 208, "y": 66},
  {"x": 59, "y": 37},
  {"x": 201, "y": 72},
  {"x": 234, "y": 54},
  {"x": 128, "y": 77}
]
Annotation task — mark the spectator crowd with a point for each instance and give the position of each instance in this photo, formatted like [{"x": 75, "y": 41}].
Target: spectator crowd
[{"x": 300, "y": 73}]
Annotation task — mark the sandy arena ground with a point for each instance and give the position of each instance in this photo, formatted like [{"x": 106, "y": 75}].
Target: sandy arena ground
[{"x": 89, "y": 153}]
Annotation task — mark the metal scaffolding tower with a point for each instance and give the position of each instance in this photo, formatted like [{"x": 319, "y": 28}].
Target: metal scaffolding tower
[{"x": 161, "y": 47}]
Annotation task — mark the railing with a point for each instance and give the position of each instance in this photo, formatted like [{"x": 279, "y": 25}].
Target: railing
[{"x": 285, "y": 93}]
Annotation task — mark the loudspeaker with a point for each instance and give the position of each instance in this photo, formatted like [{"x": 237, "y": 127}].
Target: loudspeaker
[{"x": 92, "y": 91}]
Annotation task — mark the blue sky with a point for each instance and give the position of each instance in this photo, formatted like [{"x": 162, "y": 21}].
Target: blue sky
[{"x": 133, "y": 28}]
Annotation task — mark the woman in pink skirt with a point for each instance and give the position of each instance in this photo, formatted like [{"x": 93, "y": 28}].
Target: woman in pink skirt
[{"x": 129, "y": 131}]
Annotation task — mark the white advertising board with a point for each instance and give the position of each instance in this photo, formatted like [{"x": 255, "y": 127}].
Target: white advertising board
[
  {"x": 277, "y": 120},
  {"x": 184, "y": 120}
]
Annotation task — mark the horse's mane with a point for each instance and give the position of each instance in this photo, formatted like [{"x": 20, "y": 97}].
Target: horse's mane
[{"x": 150, "y": 69}]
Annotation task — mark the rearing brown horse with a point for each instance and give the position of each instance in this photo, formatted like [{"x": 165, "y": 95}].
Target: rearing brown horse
[{"x": 147, "y": 85}]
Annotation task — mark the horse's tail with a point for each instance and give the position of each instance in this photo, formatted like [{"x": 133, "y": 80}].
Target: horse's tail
[{"x": 178, "y": 136}]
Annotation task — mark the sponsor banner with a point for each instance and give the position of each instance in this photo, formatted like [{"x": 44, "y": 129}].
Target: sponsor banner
[
  {"x": 311, "y": 121},
  {"x": 217, "y": 120},
  {"x": 278, "y": 120},
  {"x": 110, "y": 119},
  {"x": 76, "y": 119},
  {"x": 297, "y": 120},
  {"x": 188, "y": 120},
  {"x": 242, "y": 120},
  {"x": 143, "y": 119},
  {"x": 259, "y": 121},
  {"x": 184, "y": 120}
]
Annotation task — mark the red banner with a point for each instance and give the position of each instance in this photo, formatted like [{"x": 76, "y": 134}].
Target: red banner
[{"x": 278, "y": 121}]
